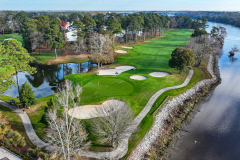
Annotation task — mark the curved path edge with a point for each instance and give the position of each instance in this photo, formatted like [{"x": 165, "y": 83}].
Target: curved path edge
[
  {"x": 28, "y": 127},
  {"x": 150, "y": 137},
  {"x": 122, "y": 148}
]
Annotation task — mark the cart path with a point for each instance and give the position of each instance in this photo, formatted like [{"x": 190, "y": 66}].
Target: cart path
[
  {"x": 28, "y": 127},
  {"x": 122, "y": 148}
]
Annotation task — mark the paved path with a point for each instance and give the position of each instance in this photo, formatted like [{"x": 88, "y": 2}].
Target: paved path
[
  {"x": 8, "y": 154},
  {"x": 122, "y": 148},
  {"x": 28, "y": 127}
]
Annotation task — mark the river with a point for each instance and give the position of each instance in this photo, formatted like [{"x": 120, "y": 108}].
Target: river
[
  {"x": 216, "y": 125},
  {"x": 48, "y": 77}
]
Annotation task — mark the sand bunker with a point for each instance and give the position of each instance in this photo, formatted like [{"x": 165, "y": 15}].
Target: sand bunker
[
  {"x": 138, "y": 77},
  {"x": 116, "y": 71},
  {"x": 127, "y": 47},
  {"x": 121, "y": 51},
  {"x": 159, "y": 74},
  {"x": 92, "y": 111}
]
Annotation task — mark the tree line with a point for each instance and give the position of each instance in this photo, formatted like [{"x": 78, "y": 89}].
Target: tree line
[
  {"x": 232, "y": 18},
  {"x": 96, "y": 34},
  {"x": 199, "y": 48}
]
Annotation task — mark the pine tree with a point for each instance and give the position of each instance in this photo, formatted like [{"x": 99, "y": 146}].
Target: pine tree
[
  {"x": 27, "y": 95},
  {"x": 16, "y": 57}
]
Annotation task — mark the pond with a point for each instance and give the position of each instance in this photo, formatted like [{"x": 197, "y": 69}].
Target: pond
[
  {"x": 48, "y": 77},
  {"x": 216, "y": 126}
]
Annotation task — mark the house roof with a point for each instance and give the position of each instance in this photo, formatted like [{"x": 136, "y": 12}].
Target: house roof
[{"x": 5, "y": 158}]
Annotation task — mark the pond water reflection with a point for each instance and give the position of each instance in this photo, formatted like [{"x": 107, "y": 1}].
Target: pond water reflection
[{"x": 48, "y": 77}]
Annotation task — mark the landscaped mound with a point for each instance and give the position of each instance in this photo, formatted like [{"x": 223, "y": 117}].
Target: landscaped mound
[
  {"x": 159, "y": 74},
  {"x": 121, "y": 51},
  {"x": 127, "y": 47},
  {"x": 91, "y": 111},
  {"x": 138, "y": 77},
  {"x": 116, "y": 71}
]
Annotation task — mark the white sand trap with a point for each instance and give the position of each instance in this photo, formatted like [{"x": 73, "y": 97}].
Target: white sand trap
[
  {"x": 121, "y": 51},
  {"x": 92, "y": 111},
  {"x": 127, "y": 47},
  {"x": 159, "y": 74},
  {"x": 138, "y": 77},
  {"x": 116, "y": 71}
]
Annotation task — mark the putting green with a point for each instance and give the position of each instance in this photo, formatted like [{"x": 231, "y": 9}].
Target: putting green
[{"x": 106, "y": 87}]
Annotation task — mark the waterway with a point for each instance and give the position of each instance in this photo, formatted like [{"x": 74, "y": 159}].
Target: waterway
[
  {"x": 48, "y": 77},
  {"x": 216, "y": 126}
]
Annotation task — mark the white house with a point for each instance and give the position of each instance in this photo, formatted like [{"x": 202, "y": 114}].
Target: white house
[{"x": 139, "y": 33}]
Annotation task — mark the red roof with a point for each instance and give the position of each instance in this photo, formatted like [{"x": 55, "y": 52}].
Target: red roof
[{"x": 5, "y": 158}]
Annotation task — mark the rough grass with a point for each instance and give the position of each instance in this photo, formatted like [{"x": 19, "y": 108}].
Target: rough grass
[
  {"x": 35, "y": 114},
  {"x": 49, "y": 56},
  {"x": 16, "y": 123}
]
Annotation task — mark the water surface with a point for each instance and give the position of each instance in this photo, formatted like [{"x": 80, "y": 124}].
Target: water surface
[
  {"x": 48, "y": 77},
  {"x": 217, "y": 125}
]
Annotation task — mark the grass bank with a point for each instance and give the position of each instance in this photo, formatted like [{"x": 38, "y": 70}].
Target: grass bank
[
  {"x": 16, "y": 123},
  {"x": 48, "y": 57}
]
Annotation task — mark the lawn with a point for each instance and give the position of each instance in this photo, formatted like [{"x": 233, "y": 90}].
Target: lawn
[
  {"x": 13, "y": 35},
  {"x": 147, "y": 58}
]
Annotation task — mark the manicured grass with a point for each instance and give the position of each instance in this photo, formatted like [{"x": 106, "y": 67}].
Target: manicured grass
[
  {"x": 13, "y": 35},
  {"x": 16, "y": 123},
  {"x": 199, "y": 74},
  {"x": 147, "y": 57},
  {"x": 103, "y": 87}
]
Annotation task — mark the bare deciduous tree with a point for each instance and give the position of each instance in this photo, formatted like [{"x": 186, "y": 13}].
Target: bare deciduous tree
[
  {"x": 33, "y": 40},
  {"x": 66, "y": 133},
  {"x": 113, "y": 122},
  {"x": 233, "y": 50},
  {"x": 102, "y": 49},
  {"x": 203, "y": 46},
  {"x": 79, "y": 46}
]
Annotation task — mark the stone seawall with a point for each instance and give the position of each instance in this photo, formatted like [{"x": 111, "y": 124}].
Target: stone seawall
[{"x": 151, "y": 136}]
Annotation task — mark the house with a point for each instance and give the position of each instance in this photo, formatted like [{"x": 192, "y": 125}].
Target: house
[
  {"x": 139, "y": 33},
  {"x": 104, "y": 27},
  {"x": 69, "y": 30}
]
